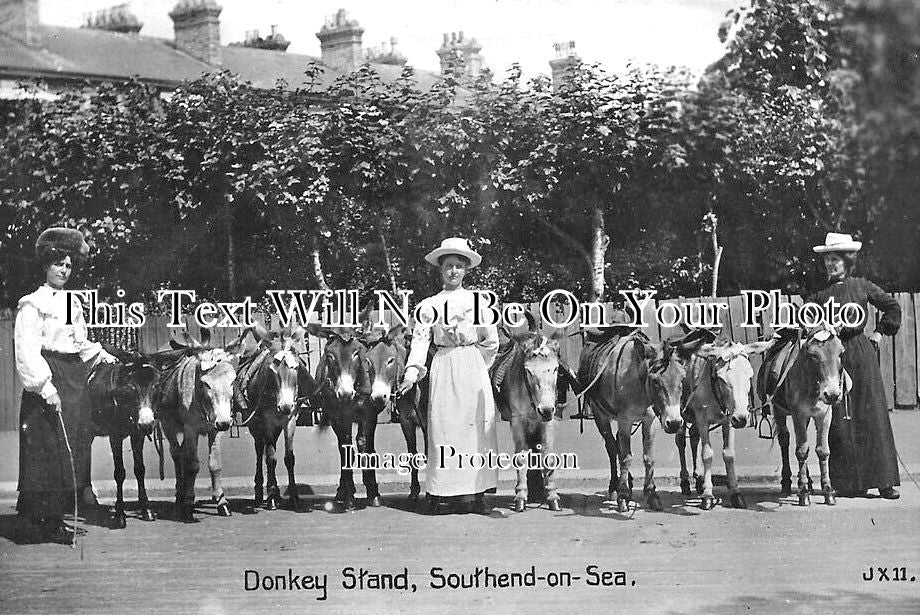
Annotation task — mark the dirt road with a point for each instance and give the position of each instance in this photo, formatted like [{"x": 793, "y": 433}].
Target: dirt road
[{"x": 773, "y": 557}]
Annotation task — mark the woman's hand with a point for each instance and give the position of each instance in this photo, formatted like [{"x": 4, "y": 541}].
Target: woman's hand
[
  {"x": 409, "y": 379},
  {"x": 876, "y": 339},
  {"x": 54, "y": 402}
]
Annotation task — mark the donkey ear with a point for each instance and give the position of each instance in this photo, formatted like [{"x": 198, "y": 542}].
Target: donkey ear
[
  {"x": 316, "y": 330},
  {"x": 187, "y": 383},
  {"x": 205, "y": 336},
  {"x": 297, "y": 334},
  {"x": 396, "y": 331},
  {"x": 757, "y": 347},
  {"x": 531, "y": 322}
]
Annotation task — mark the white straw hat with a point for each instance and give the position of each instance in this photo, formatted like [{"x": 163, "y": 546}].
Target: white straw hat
[
  {"x": 838, "y": 242},
  {"x": 454, "y": 245}
]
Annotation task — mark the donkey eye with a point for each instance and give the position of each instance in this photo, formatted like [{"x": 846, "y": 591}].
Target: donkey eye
[{"x": 390, "y": 361}]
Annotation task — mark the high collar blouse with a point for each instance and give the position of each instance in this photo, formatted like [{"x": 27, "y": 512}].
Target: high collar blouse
[
  {"x": 41, "y": 324},
  {"x": 457, "y": 329}
]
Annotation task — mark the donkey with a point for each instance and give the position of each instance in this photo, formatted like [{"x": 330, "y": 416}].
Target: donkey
[
  {"x": 629, "y": 380},
  {"x": 805, "y": 379},
  {"x": 270, "y": 382},
  {"x": 343, "y": 389},
  {"x": 122, "y": 397},
  {"x": 528, "y": 389},
  {"x": 386, "y": 360},
  {"x": 718, "y": 386},
  {"x": 194, "y": 400}
]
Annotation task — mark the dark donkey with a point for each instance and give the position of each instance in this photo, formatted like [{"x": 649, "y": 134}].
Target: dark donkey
[
  {"x": 630, "y": 380},
  {"x": 386, "y": 360},
  {"x": 270, "y": 382},
  {"x": 122, "y": 397},
  {"x": 528, "y": 391},
  {"x": 343, "y": 388},
  {"x": 804, "y": 380},
  {"x": 194, "y": 400}
]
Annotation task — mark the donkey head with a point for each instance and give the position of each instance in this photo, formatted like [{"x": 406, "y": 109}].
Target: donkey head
[
  {"x": 822, "y": 353},
  {"x": 386, "y": 361},
  {"x": 730, "y": 372},
  {"x": 283, "y": 371},
  {"x": 540, "y": 356},
  {"x": 667, "y": 366},
  {"x": 343, "y": 365}
]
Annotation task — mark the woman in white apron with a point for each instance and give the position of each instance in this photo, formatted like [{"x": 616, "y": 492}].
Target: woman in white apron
[{"x": 462, "y": 441}]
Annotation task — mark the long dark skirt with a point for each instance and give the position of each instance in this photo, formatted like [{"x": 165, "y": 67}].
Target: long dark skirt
[
  {"x": 863, "y": 455},
  {"x": 46, "y": 485}
]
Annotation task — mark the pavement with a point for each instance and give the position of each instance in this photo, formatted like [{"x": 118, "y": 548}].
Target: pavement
[
  {"x": 862, "y": 555},
  {"x": 757, "y": 460}
]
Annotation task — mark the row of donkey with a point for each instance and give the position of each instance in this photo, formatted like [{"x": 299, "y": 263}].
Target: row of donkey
[{"x": 188, "y": 391}]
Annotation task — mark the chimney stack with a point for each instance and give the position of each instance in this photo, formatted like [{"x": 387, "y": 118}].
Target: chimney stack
[
  {"x": 465, "y": 52},
  {"x": 197, "y": 27},
  {"x": 565, "y": 59},
  {"x": 19, "y": 20},
  {"x": 117, "y": 18},
  {"x": 340, "y": 42}
]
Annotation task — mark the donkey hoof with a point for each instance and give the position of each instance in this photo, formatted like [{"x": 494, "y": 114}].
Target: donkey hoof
[
  {"x": 738, "y": 501},
  {"x": 413, "y": 496},
  {"x": 685, "y": 487},
  {"x": 622, "y": 505},
  {"x": 520, "y": 505},
  {"x": 804, "y": 499},
  {"x": 654, "y": 502},
  {"x": 185, "y": 514},
  {"x": 706, "y": 502},
  {"x": 147, "y": 514},
  {"x": 554, "y": 505},
  {"x": 785, "y": 488},
  {"x": 271, "y": 503},
  {"x": 611, "y": 495},
  {"x": 700, "y": 484},
  {"x": 375, "y": 502},
  {"x": 223, "y": 509},
  {"x": 830, "y": 497},
  {"x": 119, "y": 521}
]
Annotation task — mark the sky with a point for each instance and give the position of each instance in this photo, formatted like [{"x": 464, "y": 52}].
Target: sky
[{"x": 611, "y": 32}]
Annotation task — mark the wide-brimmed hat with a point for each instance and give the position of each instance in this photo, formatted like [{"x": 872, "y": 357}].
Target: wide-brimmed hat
[
  {"x": 454, "y": 245},
  {"x": 838, "y": 242},
  {"x": 58, "y": 241}
]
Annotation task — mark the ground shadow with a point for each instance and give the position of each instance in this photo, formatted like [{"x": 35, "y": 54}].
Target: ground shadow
[{"x": 839, "y": 601}]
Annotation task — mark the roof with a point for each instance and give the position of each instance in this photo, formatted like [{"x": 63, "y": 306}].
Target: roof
[{"x": 81, "y": 53}]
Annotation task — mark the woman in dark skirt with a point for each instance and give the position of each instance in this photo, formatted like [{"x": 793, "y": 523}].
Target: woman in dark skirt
[
  {"x": 863, "y": 455},
  {"x": 52, "y": 358}
]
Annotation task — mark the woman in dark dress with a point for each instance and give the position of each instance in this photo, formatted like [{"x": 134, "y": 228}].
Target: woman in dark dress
[
  {"x": 863, "y": 454},
  {"x": 52, "y": 358}
]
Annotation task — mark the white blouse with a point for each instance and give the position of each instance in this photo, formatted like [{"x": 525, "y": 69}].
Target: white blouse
[
  {"x": 41, "y": 325},
  {"x": 456, "y": 330}
]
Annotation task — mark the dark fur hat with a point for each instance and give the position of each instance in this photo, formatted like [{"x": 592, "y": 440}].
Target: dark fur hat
[{"x": 57, "y": 242}]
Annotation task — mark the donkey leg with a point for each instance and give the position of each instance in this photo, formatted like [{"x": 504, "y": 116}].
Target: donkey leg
[
  {"x": 549, "y": 474},
  {"x": 728, "y": 456},
  {"x": 289, "y": 429},
  {"x": 119, "y": 520},
  {"x": 648, "y": 439},
  {"x": 680, "y": 440},
  {"x": 520, "y": 448},
  {"x": 624, "y": 444},
  {"x": 190, "y": 467},
  {"x": 214, "y": 465},
  {"x": 694, "y": 453},
  {"x": 822, "y": 449},
  {"x": 140, "y": 472},
  {"x": 408, "y": 429},
  {"x": 605, "y": 428},
  {"x": 706, "y": 498},
  {"x": 782, "y": 434},
  {"x": 800, "y": 424},
  {"x": 345, "y": 494},
  {"x": 369, "y": 477},
  {"x": 272, "y": 493},
  {"x": 258, "y": 440}
]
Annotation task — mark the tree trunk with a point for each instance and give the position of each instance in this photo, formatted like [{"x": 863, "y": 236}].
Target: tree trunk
[
  {"x": 386, "y": 255},
  {"x": 231, "y": 254},
  {"x": 717, "y": 250},
  {"x": 318, "y": 267},
  {"x": 599, "y": 242}
]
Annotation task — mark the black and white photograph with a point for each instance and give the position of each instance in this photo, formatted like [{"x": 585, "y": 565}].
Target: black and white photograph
[{"x": 460, "y": 306}]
